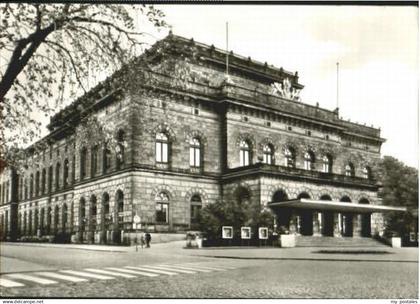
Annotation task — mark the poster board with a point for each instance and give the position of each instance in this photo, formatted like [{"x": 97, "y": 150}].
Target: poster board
[
  {"x": 245, "y": 233},
  {"x": 263, "y": 233},
  {"x": 227, "y": 232}
]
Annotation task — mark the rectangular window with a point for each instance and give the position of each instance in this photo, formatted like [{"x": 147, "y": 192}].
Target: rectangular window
[{"x": 162, "y": 213}]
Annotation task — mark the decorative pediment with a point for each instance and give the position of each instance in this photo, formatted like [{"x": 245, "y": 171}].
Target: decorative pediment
[
  {"x": 196, "y": 134},
  {"x": 247, "y": 137},
  {"x": 165, "y": 128}
]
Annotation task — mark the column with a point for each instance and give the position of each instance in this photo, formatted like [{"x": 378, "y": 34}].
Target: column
[
  {"x": 357, "y": 225},
  {"x": 337, "y": 224},
  {"x": 316, "y": 223},
  {"x": 292, "y": 223}
]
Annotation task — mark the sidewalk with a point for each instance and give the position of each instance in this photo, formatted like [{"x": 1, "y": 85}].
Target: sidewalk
[{"x": 385, "y": 254}]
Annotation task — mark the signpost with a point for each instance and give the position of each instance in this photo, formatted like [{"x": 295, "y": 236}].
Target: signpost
[{"x": 136, "y": 221}]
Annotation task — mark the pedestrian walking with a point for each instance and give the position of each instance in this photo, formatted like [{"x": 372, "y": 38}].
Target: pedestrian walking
[
  {"x": 142, "y": 241},
  {"x": 148, "y": 239}
]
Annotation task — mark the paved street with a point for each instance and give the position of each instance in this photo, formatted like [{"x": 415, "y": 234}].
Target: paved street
[{"x": 168, "y": 271}]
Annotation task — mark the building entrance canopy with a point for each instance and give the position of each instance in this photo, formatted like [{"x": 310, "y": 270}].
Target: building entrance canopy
[{"x": 343, "y": 207}]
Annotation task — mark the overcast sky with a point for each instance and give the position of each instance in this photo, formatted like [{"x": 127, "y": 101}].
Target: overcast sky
[{"x": 375, "y": 45}]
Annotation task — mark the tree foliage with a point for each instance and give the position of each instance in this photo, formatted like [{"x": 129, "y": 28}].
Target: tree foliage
[
  {"x": 48, "y": 52},
  {"x": 400, "y": 188},
  {"x": 233, "y": 213}
]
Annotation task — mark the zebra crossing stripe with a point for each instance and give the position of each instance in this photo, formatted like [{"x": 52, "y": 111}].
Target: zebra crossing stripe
[
  {"x": 113, "y": 273},
  {"x": 134, "y": 272},
  {"x": 153, "y": 270},
  {"x": 61, "y": 277},
  {"x": 31, "y": 278},
  {"x": 9, "y": 283},
  {"x": 170, "y": 268},
  {"x": 188, "y": 268},
  {"x": 86, "y": 274}
]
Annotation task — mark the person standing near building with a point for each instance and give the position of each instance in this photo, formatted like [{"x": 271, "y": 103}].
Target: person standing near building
[
  {"x": 142, "y": 241},
  {"x": 148, "y": 238}
]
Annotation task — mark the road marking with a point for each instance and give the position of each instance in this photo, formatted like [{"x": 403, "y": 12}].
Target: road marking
[
  {"x": 134, "y": 272},
  {"x": 213, "y": 266},
  {"x": 153, "y": 270},
  {"x": 188, "y": 268},
  {"x": 170, "y": 268},
  {"x": 86, "y": 274},
  {"x": 9, "y": 283},
  {"x": 207, "y": 267},
  {"x": 113, "y": 273},
  {"x": 61, "y": 277},
  {"x": 30, "y": 278}
]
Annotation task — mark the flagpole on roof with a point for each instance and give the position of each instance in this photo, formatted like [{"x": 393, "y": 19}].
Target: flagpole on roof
[
  {"x": 338, "y": 64},
  {"x": 227, "y": 48}
]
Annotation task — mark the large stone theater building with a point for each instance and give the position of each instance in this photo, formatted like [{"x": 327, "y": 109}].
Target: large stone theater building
[{"x": 183, "y": 146}]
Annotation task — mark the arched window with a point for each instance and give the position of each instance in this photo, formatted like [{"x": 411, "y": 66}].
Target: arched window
[
  {"x": 120, "y": 201},
  {"x": 289, "y": 157},
  {"x": 44, "y": 181},
  {"x": 195, "y": 152},
  {"x": 242, "y": 195},
  {"x": 279, "y": 196},
  {"x": 106, "y": 159},
  {"x": 83, "y": 163},
  {"x": 41, "y": 220},
  {"x": 25, "y": 185},
  {"x": 82, "y": 214},
  {"x": 24, "y": 225},
  {"x": 162, "y": 150},
  {"x": 349, "y": 170},
  {"x": 30, "y": 230},
  {"x": 57, "y": 176},
  {"x": 31, "y": 186},
  {"x": 325, "y": 197},
  {"x": 50, "y": 178},
  {"x": 196, "y": 206},
  {"x": 309, "y": 160},
  {"x": 367, "y": 173},
  {"x": 94, "y": 161},
  {"x": 66, "y": 173},
  {"x": 327, "y": 164},
  {"x": 73, "y": 169},
  {"x": 36, "y": 222},
  {"x": 49, "y": 214},
  {"x": 120, "y": 149},
  {"x": 244, "y": 153},
  {"x": 162, "y": 207},
  {"x": 64, "y": 217},
  {"x": 56, "y": 218},
  {"x": 37, "y": 183},
  {"x": 268, "y": 154},
  {"x": 93, "y": 211},
  {"x": 105, "y": 210}
]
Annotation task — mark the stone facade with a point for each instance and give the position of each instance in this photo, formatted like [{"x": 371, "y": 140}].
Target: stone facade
[{"x": 73, "y": 186}]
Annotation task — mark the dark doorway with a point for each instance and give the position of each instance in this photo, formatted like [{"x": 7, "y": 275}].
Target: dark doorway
[
  {"x": 327, "y": 219},
  {"x": 366, "y": 227},
  {"x": 306, "y": 227},
  {"x": 283, "y": 214}
]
